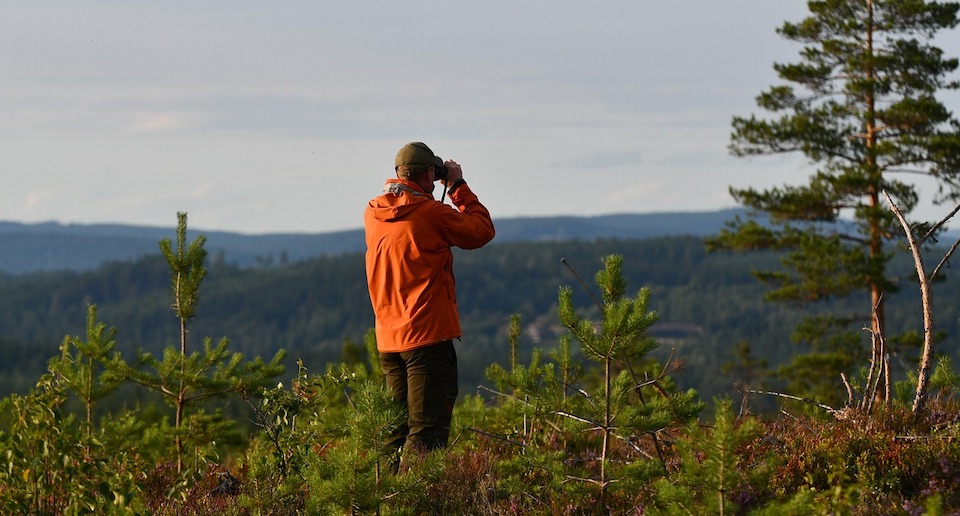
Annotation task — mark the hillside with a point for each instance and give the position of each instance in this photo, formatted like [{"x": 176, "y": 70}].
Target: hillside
[
  {"x": 53, "y": 246},
  {"x": 318, "y": 307}
]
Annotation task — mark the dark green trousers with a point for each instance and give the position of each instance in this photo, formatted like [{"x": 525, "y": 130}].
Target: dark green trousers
[{"x": 425, "y": 382}]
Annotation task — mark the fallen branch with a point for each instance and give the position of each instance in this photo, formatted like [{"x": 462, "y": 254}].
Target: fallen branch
[
  {"x": 846, "y": 383},
  {"x": 498, "y": 437},
  {"x": 808, "y": 401}
]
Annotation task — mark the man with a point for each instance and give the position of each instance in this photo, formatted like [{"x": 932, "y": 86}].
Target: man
[{"x": 410, "y": 278}]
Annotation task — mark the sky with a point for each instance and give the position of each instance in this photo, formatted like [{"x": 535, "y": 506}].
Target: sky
[{"x": 285, "y": 117}]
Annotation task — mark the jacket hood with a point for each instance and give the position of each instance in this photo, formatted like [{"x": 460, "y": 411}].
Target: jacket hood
[{"x": 400, "y": 197}]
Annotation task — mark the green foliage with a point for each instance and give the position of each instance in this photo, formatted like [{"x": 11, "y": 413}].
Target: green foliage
[
  {"x": 187, "y": 269},
  {"x": 536, "y": 480},
  {"x": 55, "y": 464},
  {"x": 618, "y": 409},
  {"x": 50, "y": 466},
  {"x": 622, "y": 336},
  {"x": 290, "y": 430},
  {"x": 286, "y": 418},
  {"x": 186, "y": 379},
  {"x": 944, "y": 381},
  {"x": 862, "y": 113},
  {"x": 190, "y": 380},
  {"x": 311, "y": 432},
  {"x": 90, "y": 368},
  {"x": 354, "y": 475},
  {"x": 711, "y": 478}
]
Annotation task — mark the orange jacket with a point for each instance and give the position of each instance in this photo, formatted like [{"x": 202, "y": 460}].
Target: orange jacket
[{"x": 409, "y": 263}]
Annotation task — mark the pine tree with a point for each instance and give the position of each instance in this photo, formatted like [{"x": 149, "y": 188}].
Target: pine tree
[
  {"x": 353, "y": 475},
  {"x": 619, "y": 343},
  {"x": 186, "y": 379},
  {"x": 860, "y": 105},
  {"x": 711, "y": 471},
  {"x": 88, "y": 367}
]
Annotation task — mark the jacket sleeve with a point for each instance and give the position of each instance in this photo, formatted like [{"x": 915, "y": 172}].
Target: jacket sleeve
[{"x": 471, "y": 226}]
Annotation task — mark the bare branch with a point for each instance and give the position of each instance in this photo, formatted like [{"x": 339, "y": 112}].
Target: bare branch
[
  {"x": 926, "y": 358},
  {"x": 498, "y": 437},
  {"x": 843, "y": 377},
  {"x": 938, "y": 224},
  {"x": 808, "y": 401},
  {"x": 946, "y": 257},
  {"x": 595, "y": 424}
]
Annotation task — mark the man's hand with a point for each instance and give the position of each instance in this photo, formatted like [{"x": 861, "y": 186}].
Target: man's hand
[{"x": 454, "y": 172}]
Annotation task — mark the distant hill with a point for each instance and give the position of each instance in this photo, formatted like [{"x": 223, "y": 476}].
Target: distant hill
[{"x": 52, "y": 246}]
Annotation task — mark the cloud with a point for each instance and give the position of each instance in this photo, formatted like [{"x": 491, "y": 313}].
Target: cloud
[
  {"x": 202, "y": 190},
  {"x": 158, "y": 122},
  {"x": 605, "y": 160},
  {"x": 35, "y": 198},
  {"x": 632, "y": 193}
]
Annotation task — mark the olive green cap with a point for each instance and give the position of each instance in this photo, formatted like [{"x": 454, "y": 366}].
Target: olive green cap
[{"x": 417, "y": 158}]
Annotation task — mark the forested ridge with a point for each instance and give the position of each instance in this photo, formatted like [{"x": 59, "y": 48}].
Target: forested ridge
[
  {"x": 52, "y": 246},
  {"x": 708, "y": 304}
]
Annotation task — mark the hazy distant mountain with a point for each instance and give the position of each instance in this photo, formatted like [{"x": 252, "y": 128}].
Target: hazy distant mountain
[{"x": 54, "y": 246}]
